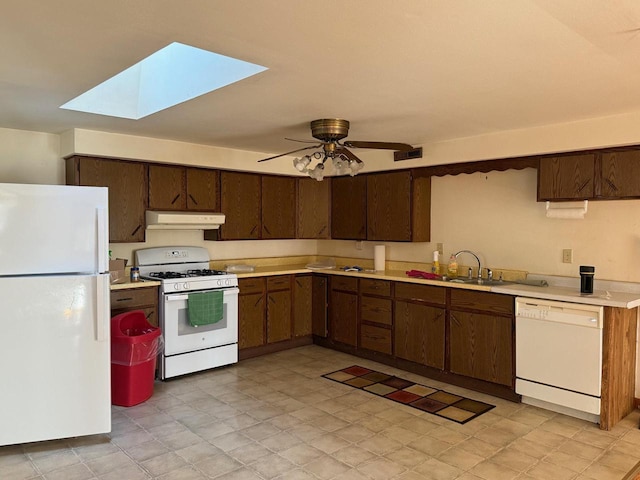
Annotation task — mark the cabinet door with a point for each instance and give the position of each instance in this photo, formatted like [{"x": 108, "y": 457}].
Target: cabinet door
[
  {"x": 349, "y": 208},
  {"x": 420, "y": 333},
  {"x": 320, "y": 306},
  {"x": 389, "y": 206},
  {"x": 481, "y": 346},
  {"x": 278, "y": 207},
  {"x": 302, "y": 305},
  {"x": 203, "y": 190},
  {"x": 129, "y": 299},
  {"x": 343, "y": 311},
  {"x": 167, "y": 188},
  {"x": 313, "y": 208},
  {"x": 569, "y": 177},
  {"x": 278, "y": 316},
  {"x": 621, "y": 174},
  {"x": 240, "y": 202},
  {"x": 251, "y": 320},
  {"x": 127, "y": 183}
]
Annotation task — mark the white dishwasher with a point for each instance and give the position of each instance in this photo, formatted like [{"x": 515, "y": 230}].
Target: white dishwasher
[{"x": 559, "y": 356}]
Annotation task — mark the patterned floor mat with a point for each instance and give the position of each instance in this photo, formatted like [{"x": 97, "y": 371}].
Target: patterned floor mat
[{"x": 430, "y": 400}]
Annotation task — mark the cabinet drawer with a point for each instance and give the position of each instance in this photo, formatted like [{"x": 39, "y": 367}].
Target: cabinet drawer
[
  {"x": 251, "y": 285},
  {"x": 376, "y": 310},
  {"x": 375, "y": 287},
  {"x": 282, "y": 282},
  {"x": 375, "y": 338},
  {"x": 349, "y": 284},
  {"x": 488, "y": 302},
  {"x": 134, "y": 297},
  {"x": 425, "y": 293}
]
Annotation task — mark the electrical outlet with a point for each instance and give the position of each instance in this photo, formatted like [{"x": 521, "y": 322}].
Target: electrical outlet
[
  {"x": 440, "y": 248},
  {"x": 567, "y": 255},
  {"x": 358, "y": 245}
]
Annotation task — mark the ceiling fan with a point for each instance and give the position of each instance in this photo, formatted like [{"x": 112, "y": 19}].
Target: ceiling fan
[{"x": 330, "y": 132}]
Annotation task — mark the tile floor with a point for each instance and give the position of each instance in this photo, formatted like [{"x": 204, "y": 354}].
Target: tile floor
[{"x": 275, "y": 417}]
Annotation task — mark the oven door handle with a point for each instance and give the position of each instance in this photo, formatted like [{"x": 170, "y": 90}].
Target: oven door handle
[{"x": 175, "y": 298}]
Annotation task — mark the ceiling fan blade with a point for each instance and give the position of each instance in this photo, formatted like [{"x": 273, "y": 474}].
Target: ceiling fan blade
[
  {"x": 349, "y": 154},
  {"x": 402, "y": 147},
  {"x": 301, "y": 141},
  {"x": 289, "y": 153}
]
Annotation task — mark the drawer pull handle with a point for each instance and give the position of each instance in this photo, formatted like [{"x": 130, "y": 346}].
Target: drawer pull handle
[
  {"x": 175, "y": 199},
  {"x": 124, "y": 299},
  {"x": 136, "y": 230},
  {"x": 193, "y": 199}
]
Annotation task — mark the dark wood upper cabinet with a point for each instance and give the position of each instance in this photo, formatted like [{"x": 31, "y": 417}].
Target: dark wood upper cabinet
[
  {"x": 127, "y": 183},
  {"x": 183, "y": 188},
  {"x": 389, "y": 206},
  {"x": 620, "y": 174},
  {"x": 313, "y": 199},
  {"x": 570, "y": 177},
  {"x": 167, "y": 188},
  {"x": 203, "y": 189},
  {"x": 240, "y": 199},
  {"x": 349, "y": 208},
  {"x": 278, "y": 207}
]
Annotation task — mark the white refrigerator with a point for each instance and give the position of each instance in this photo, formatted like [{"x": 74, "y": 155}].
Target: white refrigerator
[{"x": 54, "y": 312}]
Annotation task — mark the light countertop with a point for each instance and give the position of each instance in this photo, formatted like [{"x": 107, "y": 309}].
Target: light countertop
[
  {"x": 140, "y": 284},
  {"x": 607, "y": 298}
]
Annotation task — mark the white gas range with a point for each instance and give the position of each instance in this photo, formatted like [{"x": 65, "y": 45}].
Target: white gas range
[{"x": 183, "y": 271}]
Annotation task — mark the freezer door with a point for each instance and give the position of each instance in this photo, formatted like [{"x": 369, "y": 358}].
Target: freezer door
[
  {"x": 55, "y": 357},
  {"x": 53, "y": 229}
]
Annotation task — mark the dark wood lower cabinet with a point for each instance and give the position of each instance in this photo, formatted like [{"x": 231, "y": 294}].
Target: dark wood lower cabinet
[
  {"x": 302, "y": 305},
  {"x": 343, "y": 315},
  {"x": 420, "y": 333},
  {"x": 138, "y": 298},
  {"x": 274, "y": 313},
  {"x": 251, "y": 320},
  {"x": 481, "y": 346},
  {"x": 320, "y": 306},
  {"x": 278, "y": 316}
]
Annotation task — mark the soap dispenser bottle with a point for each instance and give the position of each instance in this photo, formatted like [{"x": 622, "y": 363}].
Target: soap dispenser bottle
[{"x": 452, "y": 267}]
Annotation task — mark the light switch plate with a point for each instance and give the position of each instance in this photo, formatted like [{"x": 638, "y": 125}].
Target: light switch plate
[
  {"x": 440, "y": 248},
  {"x": 567, "y": 255}
]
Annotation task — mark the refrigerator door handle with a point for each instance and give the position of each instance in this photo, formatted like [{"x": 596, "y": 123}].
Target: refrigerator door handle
[
  {"x": 103, "y": 237},
  {"x": 103, "y": 320}
]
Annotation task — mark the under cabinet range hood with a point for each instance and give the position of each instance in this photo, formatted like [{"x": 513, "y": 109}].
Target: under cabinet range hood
[{"x": 183, "y": 220}]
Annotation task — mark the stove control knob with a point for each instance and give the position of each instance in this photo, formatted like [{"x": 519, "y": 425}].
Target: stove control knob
[
  {"x": 219, "y": 283},
  {"x": 186, "y": 286},
  {"x": 227, "y": 282},
  {"x": 176, "y": 286}
]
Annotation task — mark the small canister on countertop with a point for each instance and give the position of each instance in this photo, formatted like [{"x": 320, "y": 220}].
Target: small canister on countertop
[
  {"x": 586, "y": 279},
  {"x": 135, "y": 274}
]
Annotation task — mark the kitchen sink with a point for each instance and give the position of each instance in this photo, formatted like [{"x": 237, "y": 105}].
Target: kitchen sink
[{"x": 474, "y": 281}]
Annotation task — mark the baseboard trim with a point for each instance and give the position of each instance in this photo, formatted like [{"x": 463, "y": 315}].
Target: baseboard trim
[{"x": 634, "y": 473}]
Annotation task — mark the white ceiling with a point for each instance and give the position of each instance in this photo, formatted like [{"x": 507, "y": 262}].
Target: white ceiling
[{"x": 414, "y": 71}]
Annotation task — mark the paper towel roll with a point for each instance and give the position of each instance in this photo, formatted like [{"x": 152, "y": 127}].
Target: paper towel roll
[{"x": 378, "y": 258}]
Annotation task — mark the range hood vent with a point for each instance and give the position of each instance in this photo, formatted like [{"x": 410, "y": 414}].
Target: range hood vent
[{"x": 183, "y": 220}]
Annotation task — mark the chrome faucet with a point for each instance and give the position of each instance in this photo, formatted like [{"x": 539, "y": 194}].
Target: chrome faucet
[{"x": 477, "y": 259}]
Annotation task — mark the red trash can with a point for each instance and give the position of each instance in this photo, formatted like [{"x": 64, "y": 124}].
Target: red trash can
[{"x": 135, "y": 345}]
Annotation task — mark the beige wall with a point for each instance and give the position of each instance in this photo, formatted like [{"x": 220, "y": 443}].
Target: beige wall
[{"x": 30, "y": 157}]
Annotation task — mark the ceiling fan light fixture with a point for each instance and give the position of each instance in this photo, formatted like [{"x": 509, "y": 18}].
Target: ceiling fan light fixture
[
  {"x": 301, "y": 164},
  {"x": 317, "y": 173},
  {"x": 355, "y": 167}
]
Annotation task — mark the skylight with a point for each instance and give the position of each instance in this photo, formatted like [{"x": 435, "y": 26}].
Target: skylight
[{"x": 170, "y": 76}]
